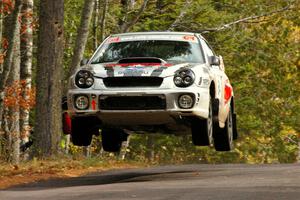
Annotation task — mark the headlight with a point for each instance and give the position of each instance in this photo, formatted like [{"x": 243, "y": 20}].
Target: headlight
[
  {"x": 184, "y": 78},
  {"x": 84, "y": 79},
  {"x": 81, "y": 102},
  {"x": 186, "y": 101}
]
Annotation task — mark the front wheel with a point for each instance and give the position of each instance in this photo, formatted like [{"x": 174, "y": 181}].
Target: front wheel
[
  {"x": 223, "y": 137},
  {"x": 202, "y": 129},
  {"x": 83, "y": 129},
  {"x": 79, "y": 134}
]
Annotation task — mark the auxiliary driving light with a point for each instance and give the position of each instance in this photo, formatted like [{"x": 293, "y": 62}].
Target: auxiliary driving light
[
  {"x": 82, "y": 102},
  {"x": 186, "y": 101},
  {"x": 184, "y": 78},
  {"x": 84, "y": 79}
]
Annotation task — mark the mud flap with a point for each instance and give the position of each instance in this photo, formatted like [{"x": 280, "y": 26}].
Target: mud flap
[
  {"x": 67, "y": 123},
  {"x": 234, "y": 124}
]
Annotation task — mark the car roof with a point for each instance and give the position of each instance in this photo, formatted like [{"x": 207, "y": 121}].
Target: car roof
[{"x": 154, "y": 33}]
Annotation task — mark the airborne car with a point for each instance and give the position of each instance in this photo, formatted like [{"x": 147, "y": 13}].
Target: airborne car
[{"x": 163, "y": 82}]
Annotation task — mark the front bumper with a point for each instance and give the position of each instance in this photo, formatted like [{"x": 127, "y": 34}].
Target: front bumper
[{"x": 162, "y": 107}]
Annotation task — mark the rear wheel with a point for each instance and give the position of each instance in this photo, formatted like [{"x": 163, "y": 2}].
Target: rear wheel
[
  {"x": 112, "y": 139},
  {"x": 202, "y": 129},
  {"x": 223, "y": 137}
]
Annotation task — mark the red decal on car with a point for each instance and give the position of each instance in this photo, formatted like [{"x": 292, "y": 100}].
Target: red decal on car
[
  {"x": 227, "y": 92},
  {"x": 93, "y": 103},
  {"x": 189, "y": 37},
  {"x": 113, "y": 40}
]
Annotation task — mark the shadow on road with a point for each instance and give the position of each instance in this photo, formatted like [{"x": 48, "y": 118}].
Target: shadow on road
[{"x": 92, "y": 179}]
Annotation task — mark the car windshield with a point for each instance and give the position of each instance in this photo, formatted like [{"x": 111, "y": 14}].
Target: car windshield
[{"x": 170, "y": 51}]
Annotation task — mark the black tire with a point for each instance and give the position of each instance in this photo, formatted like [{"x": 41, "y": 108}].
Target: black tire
[
  {"x": 83, "y": 129},
  {"x": 223, "y": 137},
  {"x": 80, "y": 135},
  {"x": 112, "y": 139},
  {"x": 202, "y": 129},
  {"x": 235, "y": 132}
]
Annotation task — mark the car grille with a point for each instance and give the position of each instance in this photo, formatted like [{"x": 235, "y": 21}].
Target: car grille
[
  {"x": 132, "y": 81},
  {"x": 132, "y": 103}
]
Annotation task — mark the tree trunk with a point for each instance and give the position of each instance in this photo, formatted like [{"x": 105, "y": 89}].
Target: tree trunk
[
  {"x": 124, "y": 13},
  {"x": 1, "y": 31},
  {"x": 82, "y": 35},
  {"x": 48, "y": 120},
  {"x": 26, "y": 66},
  {"x": 103, "y": 20},
  {"x": 11, "y": 24},
  {"x": 11, "y": 112},
  {"x": 14, "y": 112},
  {"x": 95, "y": 23},
  {"x": 1, "y": 67},
  {"x": 150, "y": 154}
]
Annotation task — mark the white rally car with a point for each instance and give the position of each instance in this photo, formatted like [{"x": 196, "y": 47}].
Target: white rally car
[{"x": 162, "y": 82}]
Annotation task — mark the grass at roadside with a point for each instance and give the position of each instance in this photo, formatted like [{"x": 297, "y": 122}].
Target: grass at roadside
[{"x": 37, "y": 170}]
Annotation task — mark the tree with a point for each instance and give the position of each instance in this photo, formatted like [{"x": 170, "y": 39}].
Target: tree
[
  {"x": 26, "y": 64},
  {"x": 47, "y": 130},
  {"x": 11, "y": 28},
  {"x": 8, "y": 76},
  {"x": 11, "y": 111},
  {"x": 103, "y": 20},
  {"x": 95, "y": 23},
  {"x": 82, "y": 35}
]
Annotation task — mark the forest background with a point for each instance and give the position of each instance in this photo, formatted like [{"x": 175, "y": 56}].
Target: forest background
[{"x": 258, "y": 39}]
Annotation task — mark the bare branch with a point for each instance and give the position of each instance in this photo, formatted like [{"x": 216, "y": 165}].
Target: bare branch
[
  {"x": 246, "y": 20},
  {"x": 181, "y": 15},
  {"x": 126, "y": 26}
]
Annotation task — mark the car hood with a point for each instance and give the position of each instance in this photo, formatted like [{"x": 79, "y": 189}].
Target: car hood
[{"x": 137, "y": 69}]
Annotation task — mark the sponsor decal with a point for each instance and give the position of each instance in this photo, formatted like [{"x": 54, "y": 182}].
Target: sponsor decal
[
  {"x": 113, "y": 40},
  {"x": 134, "y": 71},
  {"x": 158, "y": 71},
  {"x": 206, "y": 82},
  {"x": 189, "y": 38}
]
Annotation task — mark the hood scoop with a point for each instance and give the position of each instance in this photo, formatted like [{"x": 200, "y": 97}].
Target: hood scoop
[{"x": 142, "y": 60}]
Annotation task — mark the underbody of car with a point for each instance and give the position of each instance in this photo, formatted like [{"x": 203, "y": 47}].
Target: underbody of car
[{"x": 164, "y": 82}]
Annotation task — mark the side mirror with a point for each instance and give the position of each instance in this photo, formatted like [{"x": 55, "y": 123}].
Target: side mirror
[
  {"x": 84, "y": 61},
  {"x": 214, "y": 60}
]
